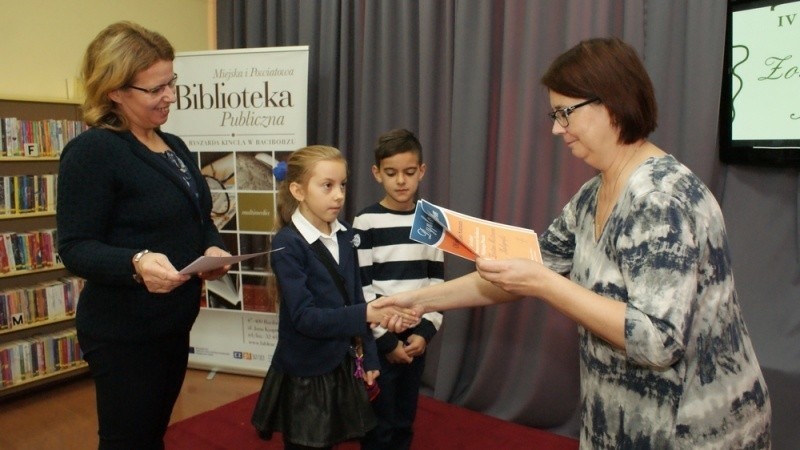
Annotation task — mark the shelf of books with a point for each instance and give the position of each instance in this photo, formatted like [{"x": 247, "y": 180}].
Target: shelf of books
[
  {"x": 38, "y": 296},
  {"x": 37, "y": 339}
]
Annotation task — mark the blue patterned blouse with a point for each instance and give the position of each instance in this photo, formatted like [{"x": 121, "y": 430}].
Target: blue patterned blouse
[{"x": 689, "y": 378}]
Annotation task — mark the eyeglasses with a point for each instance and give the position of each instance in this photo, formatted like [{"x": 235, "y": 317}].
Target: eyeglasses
[
  {"x": 160, "y": 88},
  {"x": 562, "y": 115}
]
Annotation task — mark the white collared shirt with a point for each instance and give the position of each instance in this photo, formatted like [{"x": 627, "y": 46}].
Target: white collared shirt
[{"x": 310, "y": 233}]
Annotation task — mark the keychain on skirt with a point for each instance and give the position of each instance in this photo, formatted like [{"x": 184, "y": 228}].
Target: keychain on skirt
[{"x": 358, "y": 352}]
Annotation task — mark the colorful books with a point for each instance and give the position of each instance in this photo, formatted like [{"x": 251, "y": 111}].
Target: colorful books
[
  {"x": 28, "y": 351},
  {"x": 36, "y": 138},
  {"x": 48, "y": 301},
  {"x": 21, "y": 194},
  {"x": 28, "y": 250},
  {"x": 26, "y": 359}
]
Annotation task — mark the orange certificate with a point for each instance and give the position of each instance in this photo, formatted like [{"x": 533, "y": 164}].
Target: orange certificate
[{"x": 470, "y": 237}]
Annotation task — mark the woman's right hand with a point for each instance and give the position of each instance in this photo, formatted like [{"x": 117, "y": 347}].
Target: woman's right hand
[
  {"x": 158, "y": 274},
  {"x": 522, "y": 277}
]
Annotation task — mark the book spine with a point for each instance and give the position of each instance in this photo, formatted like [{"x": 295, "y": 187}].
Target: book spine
[
  {"x": 3, "y": 137},
  {"x": 42, "y": 312},
  {"x": 49, "y": 354},
  {"x": 55, "y": 300},
  {"x": 50, "y": 191},
  {"x": 15, "y": 361},
  {"x": 12, "y": 137},
  {"x": 74, "y": 349},
  {"x": 40, "y": 190},
  {"x": 35, "y": 248},
  {"x": 30, "y": 193},
  {"x": 63, "y": 352},
  {"x": 4, "y": 194},
  {"x": 9, "y": 244},
  {"x": 5, "y": 366},
  {"x": 52, "y": 243},
  {"x": 41, "y": 364},
  {"x": 29, "y": 305},
  {"x": 55, "y": 349},
  {"x": 27, "y": 360},
  {"x": 4, "y": 267},
  {"x": 16, "y": 192},
  {"x": 19, "y": 243},
  {"x": 12, "y": 304},
  {"x": 4, "y": 322}
]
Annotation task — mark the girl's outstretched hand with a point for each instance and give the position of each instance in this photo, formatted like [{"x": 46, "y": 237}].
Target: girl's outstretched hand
[
  {"x": 380, "y": 312},
  {"x": 395, "y": 314}
]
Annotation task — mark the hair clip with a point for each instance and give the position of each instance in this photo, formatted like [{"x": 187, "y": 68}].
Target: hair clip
[{"x": 279, "y": 171}]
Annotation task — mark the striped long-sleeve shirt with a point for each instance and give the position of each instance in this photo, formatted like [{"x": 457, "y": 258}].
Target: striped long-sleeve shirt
[{"x": 392, "y": 263}]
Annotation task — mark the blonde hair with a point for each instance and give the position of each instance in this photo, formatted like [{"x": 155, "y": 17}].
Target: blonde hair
[
  {"x": 112, "y": 60},
  {"x": 298, "y": 170}
]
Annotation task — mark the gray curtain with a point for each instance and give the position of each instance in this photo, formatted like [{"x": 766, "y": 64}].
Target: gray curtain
[{"x": 464, "y": 75}]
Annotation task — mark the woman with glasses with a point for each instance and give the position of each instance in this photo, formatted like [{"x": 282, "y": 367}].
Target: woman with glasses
[
  {"x": 639, "y": 260},
  {"x": 133, "y": 209}
]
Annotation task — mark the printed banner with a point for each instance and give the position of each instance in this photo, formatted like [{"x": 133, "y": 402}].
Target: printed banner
[
  {"x": 248, "y": 99},
  {"x": 241, "y": 112}
]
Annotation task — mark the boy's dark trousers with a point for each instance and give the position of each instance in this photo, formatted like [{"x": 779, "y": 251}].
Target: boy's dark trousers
[{"x": 395, "y": 406}]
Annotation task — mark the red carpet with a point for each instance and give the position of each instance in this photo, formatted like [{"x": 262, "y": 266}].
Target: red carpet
[{"x": 439, "y": 426}]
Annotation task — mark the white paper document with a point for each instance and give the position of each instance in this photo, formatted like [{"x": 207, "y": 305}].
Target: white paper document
[{"x": 206, "y": 263}]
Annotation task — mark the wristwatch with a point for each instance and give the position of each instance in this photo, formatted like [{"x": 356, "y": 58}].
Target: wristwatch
[{"x": 136, "y": 258}]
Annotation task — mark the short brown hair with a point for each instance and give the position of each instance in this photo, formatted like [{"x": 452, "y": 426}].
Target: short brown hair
[
  {"x": 394, "y": 142},
  {"x": 112, "y": 60},
  {"x": 608, "y": 69}
]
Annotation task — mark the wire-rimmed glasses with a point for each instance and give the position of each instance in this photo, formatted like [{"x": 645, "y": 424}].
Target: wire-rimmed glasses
[
  {"x": 160, "y": 88},
  {"x": 562, "y": 115}
]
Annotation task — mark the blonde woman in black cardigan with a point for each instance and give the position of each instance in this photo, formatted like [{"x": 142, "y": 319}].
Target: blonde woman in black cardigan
[{"x": 133, "y": 207}]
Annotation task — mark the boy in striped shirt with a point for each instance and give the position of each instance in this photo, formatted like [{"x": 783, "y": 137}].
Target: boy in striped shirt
[{"x": 391, "y": 263}]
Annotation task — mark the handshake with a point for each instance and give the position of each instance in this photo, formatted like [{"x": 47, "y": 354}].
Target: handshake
[{"x": 393, "y": 314}]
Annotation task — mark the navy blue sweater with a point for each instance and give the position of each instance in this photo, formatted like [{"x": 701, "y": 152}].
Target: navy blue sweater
[
  {"x": 115, "y": 198},
  {"x": 316, "y": 326}
]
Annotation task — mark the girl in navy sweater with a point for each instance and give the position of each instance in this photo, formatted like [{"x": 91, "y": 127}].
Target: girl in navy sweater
[{"x": 325, "y": 362}]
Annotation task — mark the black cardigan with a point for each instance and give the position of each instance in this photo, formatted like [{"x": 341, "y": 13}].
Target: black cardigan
[{"x": 115, "y": 198}]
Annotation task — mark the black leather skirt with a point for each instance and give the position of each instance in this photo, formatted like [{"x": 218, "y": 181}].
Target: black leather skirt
[{"x": 314, "y": 411}]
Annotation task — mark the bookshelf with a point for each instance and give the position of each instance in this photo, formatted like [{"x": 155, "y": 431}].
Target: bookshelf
[{"x": 52, "y": 335}]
